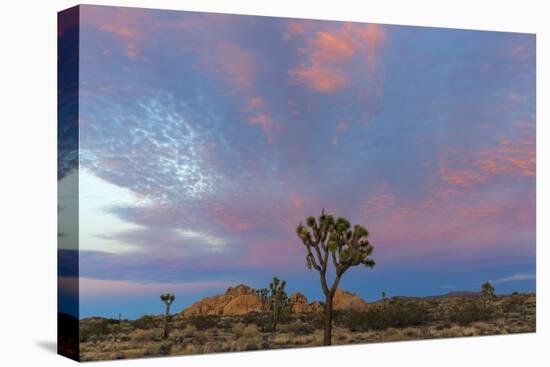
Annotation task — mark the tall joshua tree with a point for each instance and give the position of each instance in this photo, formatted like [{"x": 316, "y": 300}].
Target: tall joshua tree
[
  {"x": 333, "y": 240},
  {"x": 167, "y": 299},
  {"x": 278, "y": 301}
]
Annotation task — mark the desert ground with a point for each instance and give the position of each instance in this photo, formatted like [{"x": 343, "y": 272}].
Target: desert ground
[{"x": 231, "y": 323}]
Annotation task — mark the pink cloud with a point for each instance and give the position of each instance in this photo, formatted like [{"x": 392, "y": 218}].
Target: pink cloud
[
  {"x": 256, "y": 102},
  {"x": 126, "y": 24},
  {"x": 238, "y": 64},
  {"x": 510, "y": 157},
  {"x": 319, "y": 79},
  {"x": 297, "y": 202},
  {"x": 263, "y": 120},
  {"x": 231, "y": 219},
  {"x": 328, "y": 54},
  {"x": 332, "y": 47},
  {"x": 454, "y": 219}
]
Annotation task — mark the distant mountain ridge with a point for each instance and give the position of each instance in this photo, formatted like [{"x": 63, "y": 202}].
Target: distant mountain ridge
[{"x": 452, "y": 294}]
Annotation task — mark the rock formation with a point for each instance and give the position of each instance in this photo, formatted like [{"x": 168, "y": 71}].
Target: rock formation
[
  {"x": 344, "y": 300},
  {"x": 242, "y": 299},
  {"x": 298, "y": 303},
  {"x": 235, "y": 301}
]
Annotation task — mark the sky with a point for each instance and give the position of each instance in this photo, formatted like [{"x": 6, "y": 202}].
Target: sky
[{"x": 205, "y": 139}]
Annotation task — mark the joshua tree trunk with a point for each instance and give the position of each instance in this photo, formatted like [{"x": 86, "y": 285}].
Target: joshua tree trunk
[
  {"x": 329, "y": 297},
  {"x": 328, "y": 320},
  {"x": 275, "y": 313},
  {"x": 166, "y": 316}
]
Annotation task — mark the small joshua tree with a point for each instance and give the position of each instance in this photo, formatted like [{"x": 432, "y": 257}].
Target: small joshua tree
[
  {"x": 487, "y": 291},
  {"x": 278, "y": 301},
  {"x": 167, "y": 299},
  {"x": 327, "y": 239}
]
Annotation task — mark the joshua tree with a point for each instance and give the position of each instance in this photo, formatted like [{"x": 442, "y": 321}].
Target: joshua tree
[
  {"x": 326, "y": 238},
  {"x": 167, "y": 299},
  {"x": 263, "y": 295},
  {"x": 383, "y": 295},
  {"x": 278, "y": 301},
  {"x": 487, "y": 291}
]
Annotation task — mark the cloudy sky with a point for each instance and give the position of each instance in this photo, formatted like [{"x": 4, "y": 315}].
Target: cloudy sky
[{"x": 205, "y": 139}]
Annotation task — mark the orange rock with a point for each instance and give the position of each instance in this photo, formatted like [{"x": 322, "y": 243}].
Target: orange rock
[
  {"x": 242, "y": 299},
  {"x": 298, "y": 303},
  {"x": 344, "y": 300},
  {"x": 235, "y": 301}
]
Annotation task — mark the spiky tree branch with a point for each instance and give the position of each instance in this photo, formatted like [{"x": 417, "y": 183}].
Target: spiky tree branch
[{"x": 326, "y": 236}]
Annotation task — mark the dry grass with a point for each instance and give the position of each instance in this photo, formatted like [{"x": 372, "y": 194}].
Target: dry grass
[{"x": 226, "y": 334}]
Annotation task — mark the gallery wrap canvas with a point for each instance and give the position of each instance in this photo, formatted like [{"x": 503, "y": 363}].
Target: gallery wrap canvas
[{"x": 233, "y": 183}]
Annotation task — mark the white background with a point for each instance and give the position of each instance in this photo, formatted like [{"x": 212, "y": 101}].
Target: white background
[{"x": 28, "y": 182}]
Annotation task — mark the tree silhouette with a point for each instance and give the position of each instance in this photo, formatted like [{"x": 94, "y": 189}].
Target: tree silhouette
[
  {"x": 167, "y": 299},
  {"x": 487, "y": 291},
  {"x": 263, "y": 295},
  {"x": 326, "y": 240},
  {"x": 278, "y": 301},
  {"x": 275, "y": 301}
]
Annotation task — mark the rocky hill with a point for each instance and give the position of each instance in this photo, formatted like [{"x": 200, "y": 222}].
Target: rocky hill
[
  {"x": 344, "y": 300},
  {"x": 237, "y": 300},
  {"x": 242, "y": 299}
]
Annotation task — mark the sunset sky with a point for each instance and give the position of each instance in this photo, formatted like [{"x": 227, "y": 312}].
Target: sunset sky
[{"x": 206, "y": 138}]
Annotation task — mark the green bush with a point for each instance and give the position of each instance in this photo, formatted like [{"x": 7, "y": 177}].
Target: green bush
[
  {"x": 513, "y": 303},
  {"x": 470, "y": 311},
  {"x": 396, "y": 313},
  {"x": 204, "y": 322},
  {"x": 316, "y": 320},
  {"x": 145, "y": 322},
  {"x": 300, "y": 328},
  {"x": 97, "y": 328},
  {"x": 261, "y": 319}
]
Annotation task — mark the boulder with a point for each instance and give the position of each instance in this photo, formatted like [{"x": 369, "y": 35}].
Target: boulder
[
  {"x": 237, "y": 300},
  {"x": 243, "y": 304},
  {"x": 298, "y": 303},
  {"x": 317, "y": 306},
  {"x": 344, "y": 300}
]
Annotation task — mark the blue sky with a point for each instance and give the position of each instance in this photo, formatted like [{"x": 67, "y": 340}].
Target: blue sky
[{"x": 206, "y": 138}]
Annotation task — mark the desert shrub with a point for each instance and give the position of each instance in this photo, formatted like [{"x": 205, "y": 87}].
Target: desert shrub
[
  {"x": 250, "y": 331},
  {"x": 189, "y": 331},
  {"x": 261, "y": 319},
  {"x": 145, "y": 322},
  {"x": 238, "y": 329},
  {"x": 123, "y": 338},
  {"x": 513, "y": 303},
  {"x": 200, "y": 338},
  {"x": 203, "y": 322},
  {"x": 299, "y": 328},
  {"x": 315, "y": 319},
  {"x": 144, "y": 335},
  {"x": 385, "y": 315},
  {"x": 97, "y": 328},
  {"x": 252, "y": 345},
  {"x": 466, "y": 312},
  {"x": 165, "y": 347}
]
